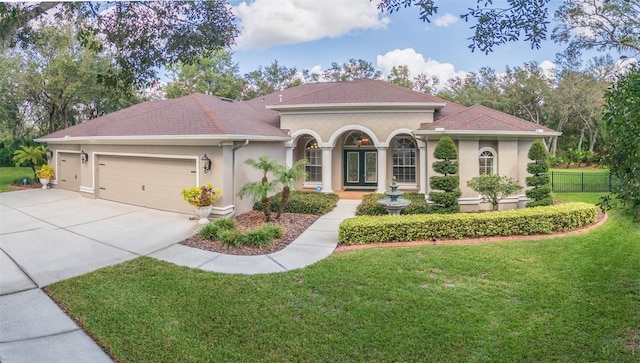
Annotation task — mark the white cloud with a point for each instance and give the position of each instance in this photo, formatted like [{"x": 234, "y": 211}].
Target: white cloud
[
  {"x": 446, "y": 20},
  {"x": 548, "y": 69},
  {"x": 264, "y": 23},
  {"x": 417, "y": 64}
]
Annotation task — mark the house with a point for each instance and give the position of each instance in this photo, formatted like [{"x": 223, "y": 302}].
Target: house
[{"x": 355, "y": 135}]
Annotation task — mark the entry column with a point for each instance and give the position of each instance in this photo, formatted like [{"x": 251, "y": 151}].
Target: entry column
[
  {"x": 327, "y": 170},
  {"x": 382, "y": 169}
]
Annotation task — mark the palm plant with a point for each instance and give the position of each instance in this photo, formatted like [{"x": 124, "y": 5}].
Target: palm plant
[
  {"x": 259, "y": 191},
  {"x": 30, "y": 155},
  {"x": 288, "y": 177}
]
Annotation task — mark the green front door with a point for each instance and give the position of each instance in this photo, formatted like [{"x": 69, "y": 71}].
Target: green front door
[{"x": 360, "y": 168}]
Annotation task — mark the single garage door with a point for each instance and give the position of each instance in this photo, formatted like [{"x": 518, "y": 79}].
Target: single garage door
[
  {"x": 148, "y": 182},
  {"x": 68, "y": 171}
]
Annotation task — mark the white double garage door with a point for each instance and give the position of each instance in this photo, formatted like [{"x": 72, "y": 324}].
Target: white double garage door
[{"x": 152, "y": 182}]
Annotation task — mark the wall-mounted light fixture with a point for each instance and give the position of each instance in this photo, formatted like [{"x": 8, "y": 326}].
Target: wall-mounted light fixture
[
  {"x": 84, "y": 157},
  {"x": 49, "y": 154},
  {"x": 206, "y": 163}
]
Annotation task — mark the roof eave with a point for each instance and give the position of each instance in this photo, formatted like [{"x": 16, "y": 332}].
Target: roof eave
[{"x": 159, "y": 139}]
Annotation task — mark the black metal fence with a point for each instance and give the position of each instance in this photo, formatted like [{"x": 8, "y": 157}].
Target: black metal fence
[{"x": 581, "y": 181}]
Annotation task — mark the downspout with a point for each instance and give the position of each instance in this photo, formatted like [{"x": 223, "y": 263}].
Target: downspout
[{"x": 233, "y": 173}]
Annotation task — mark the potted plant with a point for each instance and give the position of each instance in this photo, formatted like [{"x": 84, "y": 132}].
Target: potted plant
[
  {"x": 45, "y": 174},
  {"x": 202, "y": 198}
]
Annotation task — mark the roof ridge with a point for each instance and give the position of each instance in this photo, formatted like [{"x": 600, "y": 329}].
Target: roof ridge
[{"x": 210, "y": 115}]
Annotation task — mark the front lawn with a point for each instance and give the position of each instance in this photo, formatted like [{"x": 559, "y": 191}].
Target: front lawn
[
  {"x": 9, "y": 175},
  {"x": 563, "y": 299}
]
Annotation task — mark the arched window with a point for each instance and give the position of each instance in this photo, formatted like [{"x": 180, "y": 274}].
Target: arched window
[
  {"x": 404, "y": 160},
  {"x": 487, "y": 161},
  {"x": 313, "y": 154},
  {"x": 358, "y": 138}
]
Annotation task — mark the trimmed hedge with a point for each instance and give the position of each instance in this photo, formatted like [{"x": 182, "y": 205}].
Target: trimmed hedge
[
  {"x": 304, "y": 203},
  {"x": 525, "y": 221},
  {"x": 370, "y": 207}
]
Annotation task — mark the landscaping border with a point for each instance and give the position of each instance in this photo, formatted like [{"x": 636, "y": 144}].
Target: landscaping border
[{"x": 602, "y": 218}]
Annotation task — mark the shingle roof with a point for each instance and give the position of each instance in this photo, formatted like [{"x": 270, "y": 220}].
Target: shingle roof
[
  {"x": 196, "y": 114},
  {"x": 481, "y": 118},
  {"x": 359, "y": 91}
]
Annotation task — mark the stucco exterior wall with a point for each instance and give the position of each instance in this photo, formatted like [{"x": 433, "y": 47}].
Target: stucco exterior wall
[{"x": 383, "y": 124}]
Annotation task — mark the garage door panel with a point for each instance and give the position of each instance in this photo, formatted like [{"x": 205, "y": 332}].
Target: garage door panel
[
  {"x": 68, "y": 173},
  {"x": 149, "y": 182}
]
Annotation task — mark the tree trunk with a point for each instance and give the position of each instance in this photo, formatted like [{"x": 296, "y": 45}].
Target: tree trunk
[
  {"x": 286, "y": 193},
  {"x": 266, "y": 209}
]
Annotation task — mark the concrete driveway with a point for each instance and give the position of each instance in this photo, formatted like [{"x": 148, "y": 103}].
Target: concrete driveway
[{"x": 52, "y": 235}]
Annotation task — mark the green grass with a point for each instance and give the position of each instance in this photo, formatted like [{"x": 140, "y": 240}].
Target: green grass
[
  {"x": 565, "y": 299},
  {"x": 10, "y": 174}
]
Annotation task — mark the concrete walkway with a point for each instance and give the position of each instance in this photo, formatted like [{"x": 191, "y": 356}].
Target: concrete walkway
[
  {"x": 52, "y": 235},
  {"x": 316, "y": 243}
]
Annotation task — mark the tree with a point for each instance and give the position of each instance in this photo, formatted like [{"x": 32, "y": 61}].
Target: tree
[
  {"x": 215, "y": 75},
  {"x": 259, "y": 191},
  {"x": 351, "y": 70},
  {"x": 621, "y": 129},
  {"x": 446, "y": 187},
  {"x": 399, "y": 76},
  {"x": 142, "y": 36},
  {"x": 600, "y": 25},
  {"x": 493, "y": 187},
  {"x": 494, "y": 25},
  {"x": 269, "y": 79},
  {"x": 30, "y": 155},
  {"x": 287, "y": 177},
  {"x": 540, "y": 194}
]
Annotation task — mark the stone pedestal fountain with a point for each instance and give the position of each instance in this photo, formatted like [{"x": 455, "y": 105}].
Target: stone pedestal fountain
[{"x": 393, "y": 204}]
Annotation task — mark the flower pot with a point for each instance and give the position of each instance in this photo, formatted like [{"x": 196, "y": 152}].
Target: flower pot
[
  {"x": 44, "y": 182},
  {"x": 203, "y": 213}
]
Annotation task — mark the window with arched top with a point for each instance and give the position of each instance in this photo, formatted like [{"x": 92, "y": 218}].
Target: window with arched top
[
  {"x": 404, "y": 160},
  {"x": 358, "y": 138},
  {"x": 487, "y": 161},
  {"x": 313, "y": 154}
]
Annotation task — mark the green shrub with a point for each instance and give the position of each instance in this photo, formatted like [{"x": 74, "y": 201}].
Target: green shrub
[
  {"x": 259, "y": 238},
  {"x": 304, "y": 203},
  {"x": 541, "y": 202},
  {"x": 445, "y": 183},
  {"x": 275, "y": 231},
  {"x": 525, "y": 221},
  {"x": 370, "y": 207},
  {"x": 538, "y": 180},
  {"x": 540, "y": 194},
  {"x": 209, "y": 231},
  {"x": 232, "y": 238},
  {"x": 225, "y": 224},
  {"x": 445, "y": 200}
]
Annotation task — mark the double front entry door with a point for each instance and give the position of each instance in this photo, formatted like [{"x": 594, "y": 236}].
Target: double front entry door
[{"x": 360, "y": 168}]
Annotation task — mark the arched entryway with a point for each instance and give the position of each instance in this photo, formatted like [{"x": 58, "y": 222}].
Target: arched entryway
[{"x": 360, "y": 161}]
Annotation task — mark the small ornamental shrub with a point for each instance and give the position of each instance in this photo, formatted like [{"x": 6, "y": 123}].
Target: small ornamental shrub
[
  {"x": 423, "y": 227},
  {"x": 46, "y": 172},
  {"x": 369, "y": 205},
  {"x": 232, "y": 238},
  {"x": 259, "y": 238},
  {"x": 274, "y": 231},
  {"x": 202, "y": 196},
  {"x": 445, "y": 188},
  {"x": 225, "y": 224},
  {"x": 304, "y": 203},
  {"x": 209, "y": 231},
  {"x": 540, "y": 192},
  {"x": 494, "y": 187}
]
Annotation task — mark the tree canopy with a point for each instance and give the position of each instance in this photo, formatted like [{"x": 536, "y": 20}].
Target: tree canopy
[{"x": 142, "y": 36}]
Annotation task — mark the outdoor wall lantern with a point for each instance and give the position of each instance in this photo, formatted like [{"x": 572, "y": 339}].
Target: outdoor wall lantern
[
  {"x": 84, "y": 157},
  {"x": 206, "y": 162},
  {"x": 49, "y": 154}
]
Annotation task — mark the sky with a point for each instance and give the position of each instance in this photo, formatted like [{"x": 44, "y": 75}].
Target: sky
[{"x": 311, "y": 34}]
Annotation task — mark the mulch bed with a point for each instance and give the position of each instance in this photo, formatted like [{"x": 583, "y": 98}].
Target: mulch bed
[{"x": 293, "y": 223}]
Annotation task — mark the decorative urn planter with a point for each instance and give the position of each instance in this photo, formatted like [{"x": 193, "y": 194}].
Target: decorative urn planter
[
  {"x": 44, "y": 182},
  {"x": 203, "y": 213}
]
